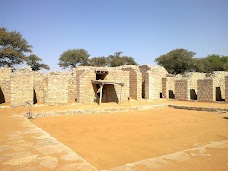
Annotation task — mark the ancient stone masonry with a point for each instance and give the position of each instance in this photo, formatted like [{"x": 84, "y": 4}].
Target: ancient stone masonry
[
  {"x": 21, "y": 89},
  {"x": 85, "y": 90},
  {"x": 206, "y": 90},
  {"x": 135, "y": 81},
  {"x": 114, "y": 91},
  {"x": 219, "y": 84},
  {"x": 5, "y": 74},
  {"x": 182, "y": 90},
  {"x": 57, "y": 88},
  {"x": 39, "y": 87},
  {"x": 72, "y": 86},
  {"x": 168, "y": 87},
  {"x": 86, "y": 84},
  {"x": 192, "y": 78},
  {"x": 226, "y": 88},
  {"x": 152, "y": 81}
]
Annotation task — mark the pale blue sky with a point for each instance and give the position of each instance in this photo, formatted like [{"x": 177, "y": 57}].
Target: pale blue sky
[{"x": 143, "y": 29}]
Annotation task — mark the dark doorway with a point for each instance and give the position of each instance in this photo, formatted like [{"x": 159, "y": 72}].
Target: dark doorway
[
  {"x": 160, "y": 95},
  {"x": 34, "y": 97},
  {"x": 171, "y": 94},
  {"x": 2, "y": 97},
  {"x": 218, "y": 94},
  {"x": 193, "y": 95},
  {"x": 143, "y": 90}
]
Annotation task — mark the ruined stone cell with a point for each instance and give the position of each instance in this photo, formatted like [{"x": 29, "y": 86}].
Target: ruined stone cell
[
  {"x": 152, "y": 81},
  {"x": 168, "y": 87}
]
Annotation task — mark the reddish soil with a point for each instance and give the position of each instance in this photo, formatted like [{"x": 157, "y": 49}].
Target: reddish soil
[{"x": 110, "y": 140}]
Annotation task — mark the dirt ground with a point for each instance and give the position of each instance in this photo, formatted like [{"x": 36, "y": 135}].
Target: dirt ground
[
  {"x": 111, "y": 140},
  {"x": 159, "y": 139}
]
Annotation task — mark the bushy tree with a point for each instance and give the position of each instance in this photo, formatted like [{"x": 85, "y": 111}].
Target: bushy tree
[
  {"x": 177, "y": 61},
  {"x": 73, "y": 58},
  {"x": 117, "y": 60},
  {"x": 35, "y": 63},
  {"x": 98, "y": 61},
  {"x": 212, "y": 63},
  {"x": 12, "y": 48}
]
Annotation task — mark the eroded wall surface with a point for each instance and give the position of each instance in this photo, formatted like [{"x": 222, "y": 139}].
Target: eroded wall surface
[
  {"x": 206, "y": 90},
  {"x": 226, "y": 89},
  {"x": 182, "y": 90},
  {"x": 21, "y": 89},
  {"x": 5, "y": 74},
  {"x": 135, "y": 82},
  {"x": 57, "y": 88}
]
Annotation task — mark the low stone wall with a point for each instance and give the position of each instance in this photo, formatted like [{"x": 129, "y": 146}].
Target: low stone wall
[
  {"x": 206, "y": 90},
  {"x": 207, "y": 109},
  {"x": 96, "y": 111}
]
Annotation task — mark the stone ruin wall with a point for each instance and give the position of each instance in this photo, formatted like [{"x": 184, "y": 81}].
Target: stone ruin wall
[
  {"x": 152, "y": 81},
  {"x": 226, "y": 89},
  {"x": 21, "y": 89},
  {"x": 57, "y": 88},
  {"x": 135, "y": 82},
  {"x": 182, "y": 90},
  {"x": 192, "y": 78},
  {"x": 5, "y": 74},
  {"x": 206, "y": 90},
  {"x": 72, "y": 86},
  {"x": 39, "y": 87},
  {"x": 85, "y": 90},
  {"x": 24, "y": 85},
  {"x": 168, "y": 87},
  {"x": 114, "y": 93},
  {"x": 219, "y": 84}
]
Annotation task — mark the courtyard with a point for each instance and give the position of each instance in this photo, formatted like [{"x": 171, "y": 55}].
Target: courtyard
[{"x": 162, "y": 138}]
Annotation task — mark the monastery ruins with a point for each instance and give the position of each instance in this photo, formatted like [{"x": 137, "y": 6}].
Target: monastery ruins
[{"x": 86, "y": 84}]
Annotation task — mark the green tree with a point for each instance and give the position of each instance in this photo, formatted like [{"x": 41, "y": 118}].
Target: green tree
[
  {"x": 12, "y": 48},
  {"x": 73, "y": 58},
  {"x": 212, "y": 63},
  {"x": 98, "y": 61},
  {"x": 177, "y": 61},
  {"x": 117, "y": 60},
  {"x": 35, "y": 63}
]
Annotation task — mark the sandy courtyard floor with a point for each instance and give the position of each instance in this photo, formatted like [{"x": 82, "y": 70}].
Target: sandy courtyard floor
[{"x": 112, "y": 140}]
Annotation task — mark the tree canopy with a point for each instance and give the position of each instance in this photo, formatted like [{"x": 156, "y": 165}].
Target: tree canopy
[
  {"x": 98, "y": 61},
  {"x": 35, "y": 63},
  {"x": 177, "y": 61},
  {"x": 212, "y": 63},
  {"x": 117, "y": 60},
  {"x": 73, "y": 57},
  {"x": 12, "y": 48}
]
